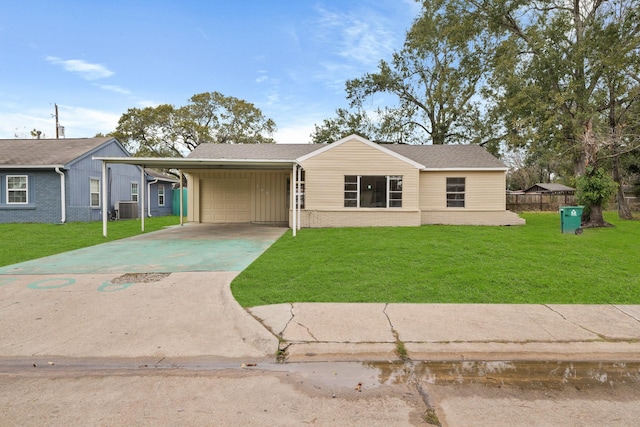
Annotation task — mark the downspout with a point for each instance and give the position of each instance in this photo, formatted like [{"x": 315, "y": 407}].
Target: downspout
[
  {"x": 63, "y": 195},
  {"x": 149, "y": 196}
]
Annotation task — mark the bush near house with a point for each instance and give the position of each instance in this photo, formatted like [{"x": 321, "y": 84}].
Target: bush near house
[{"x": 531, "y": 264}]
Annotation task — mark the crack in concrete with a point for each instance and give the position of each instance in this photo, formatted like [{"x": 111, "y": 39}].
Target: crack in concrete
[
  {"x": 308, "y": 331},
  {"x": 281, "y": 334},
  {"x": 601, "y": 336},
  {"x": 625, "y": 313}
]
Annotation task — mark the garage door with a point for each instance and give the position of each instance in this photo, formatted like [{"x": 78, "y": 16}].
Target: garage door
[{"x": 224, "y": 200}]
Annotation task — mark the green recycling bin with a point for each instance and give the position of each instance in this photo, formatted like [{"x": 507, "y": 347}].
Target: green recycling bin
[{"x": 571, "y": 219}]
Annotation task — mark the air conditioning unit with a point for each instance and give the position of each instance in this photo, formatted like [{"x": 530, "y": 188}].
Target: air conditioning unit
[{"x": 126, "y": 209}]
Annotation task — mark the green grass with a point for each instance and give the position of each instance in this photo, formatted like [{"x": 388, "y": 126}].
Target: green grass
[
  {"x": 23, "y": 242},
  {"x": 450, "y": 264}
]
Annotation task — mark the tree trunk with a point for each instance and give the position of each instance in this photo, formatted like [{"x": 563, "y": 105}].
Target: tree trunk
[
  {"x": 624, "y": 211},
  {"x": 595, "y": 218}
]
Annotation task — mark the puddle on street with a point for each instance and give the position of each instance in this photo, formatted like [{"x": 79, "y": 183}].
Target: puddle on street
[{"x": 516, "y": 373}]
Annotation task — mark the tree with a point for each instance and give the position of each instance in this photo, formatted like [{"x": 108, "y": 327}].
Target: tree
[
  {"x": 594, "y": 189},
  {"x": 549, "y": 67},
  {"x": 435, "y": 76},
  {"x": 209, "y": 117}
]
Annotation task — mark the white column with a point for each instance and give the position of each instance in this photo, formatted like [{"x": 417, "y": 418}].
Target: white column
[
  {"x": 141, "y": 197},
  {"x": 181, "y": 201},
  {"x": 294, "y": 197},
  {"x": 104, "y": 199}
]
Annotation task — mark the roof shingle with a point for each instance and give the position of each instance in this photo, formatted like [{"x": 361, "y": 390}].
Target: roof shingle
[{"x": 45, "y": 152}]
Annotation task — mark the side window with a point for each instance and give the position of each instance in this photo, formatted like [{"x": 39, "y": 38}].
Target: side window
[
  {"x": 160, "y": 195},
  {"x": 455, "y": 192},
  {"x": 94, "y": 190},
  {"x": 134, "y": 191},
  {"x": 17, "y": 189}
]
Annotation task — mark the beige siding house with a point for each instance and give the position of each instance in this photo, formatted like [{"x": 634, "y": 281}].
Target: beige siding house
[{"x": 350, "y": 183}]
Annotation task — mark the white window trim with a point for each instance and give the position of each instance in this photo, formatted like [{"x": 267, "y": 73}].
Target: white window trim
[
  {"x": 464, "y": 193},
  {"x": 26, "y": 190},
  {"x": 161, "y": 194},
  {"x": 389, "y": 178},
  {"x": 91, "y": 193},
  {"x": 136, "y": 194}
]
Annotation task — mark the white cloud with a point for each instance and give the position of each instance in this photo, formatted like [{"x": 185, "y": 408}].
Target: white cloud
[
  {"x": 262, "y": 79},
  {"x": 84, "y": 69},
  {"x": 114, "y": 88}
]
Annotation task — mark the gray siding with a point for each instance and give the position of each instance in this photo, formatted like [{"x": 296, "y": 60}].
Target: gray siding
[
  {"x": 157, "y": 210},
  {"x": 84, "y": 169},
  {"x": 43, "y": 192}
]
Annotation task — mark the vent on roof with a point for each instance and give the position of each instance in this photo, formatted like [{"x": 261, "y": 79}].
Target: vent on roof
[{"x": 126, "y": 210}]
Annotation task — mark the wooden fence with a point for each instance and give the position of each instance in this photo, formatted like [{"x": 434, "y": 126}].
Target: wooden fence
[{"x": 538, "y": 202}]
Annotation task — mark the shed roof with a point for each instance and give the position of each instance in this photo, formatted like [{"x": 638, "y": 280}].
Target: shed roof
[
  {"x": 46, "y": 152},
  {"x": 549, "y": 187}
]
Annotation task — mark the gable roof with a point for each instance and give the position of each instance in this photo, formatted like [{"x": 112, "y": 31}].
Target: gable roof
[
  {"x": 160, "y": 176},
  {"x": 46, "y": 153},
  {"x": 426, "y": 157}
]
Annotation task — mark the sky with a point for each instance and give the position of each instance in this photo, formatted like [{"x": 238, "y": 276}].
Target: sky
[{"x": 97, "y": 59}]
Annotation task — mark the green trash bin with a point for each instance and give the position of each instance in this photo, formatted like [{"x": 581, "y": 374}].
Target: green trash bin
[{"x": 571, "y": 219}]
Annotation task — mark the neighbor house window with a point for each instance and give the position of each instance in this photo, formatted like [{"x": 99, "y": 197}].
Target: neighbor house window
[
  {"x": 17, "y": 188},
  {"x": 134, "y": 191},
  {"x": 372, "y": 191},
  {"x": 455, "y": 192},
  {"x": 94, "y": 189},
  {"x": 160, "y": 195}
]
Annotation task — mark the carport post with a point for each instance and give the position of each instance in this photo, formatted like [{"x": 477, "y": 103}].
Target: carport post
[
  {"x": 294, "y": 197},
  {"x": 298, "y": 194},
  {"x": 143, "y": 181},
  {"x": 104, "y": 198},
  {"x": 181, "y": 201}
]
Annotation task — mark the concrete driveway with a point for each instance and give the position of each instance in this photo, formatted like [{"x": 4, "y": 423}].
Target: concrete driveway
[{"x": 159, "y": 295}]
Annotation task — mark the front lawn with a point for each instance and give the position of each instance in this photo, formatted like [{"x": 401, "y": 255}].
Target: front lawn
[
  {"x": 23, "y": 242},
  {"x": 450, "y": 264}
]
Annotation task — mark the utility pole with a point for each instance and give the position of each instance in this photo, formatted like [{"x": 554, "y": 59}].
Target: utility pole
[{"x": 57, "y": 124}]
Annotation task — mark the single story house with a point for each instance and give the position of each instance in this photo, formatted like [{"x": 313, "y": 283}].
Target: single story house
[
  {"x": 159, "y": 192},
  {"x": 550, "y": 188},
  {"x": 350, "y": 183},
  {"x": 57, "y": 180}
]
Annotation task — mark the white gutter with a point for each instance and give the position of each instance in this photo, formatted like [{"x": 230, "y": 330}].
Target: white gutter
[
  {"x": 63, "y": 195},
  {"x": 149, "y": 196}
]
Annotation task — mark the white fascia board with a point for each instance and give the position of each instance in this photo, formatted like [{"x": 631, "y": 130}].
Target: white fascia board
[
  {"x": 464, "y": 169},
  {"x": 181, "y": 162},
  {"x": 364, "y": 141},
  {"x": 31, "y": 166}
]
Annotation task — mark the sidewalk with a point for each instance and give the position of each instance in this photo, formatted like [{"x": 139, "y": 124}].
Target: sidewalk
[{"x": 442, "y": 332}]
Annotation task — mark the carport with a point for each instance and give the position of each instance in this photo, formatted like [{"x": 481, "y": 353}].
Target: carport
[{"x": 182, "y": 164}]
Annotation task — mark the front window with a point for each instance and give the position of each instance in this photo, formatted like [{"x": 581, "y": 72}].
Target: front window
[
  {"x": 160, "y": 195},
  {"x": 134, "y": 191},
  {"x": 17, "y": 187},
  {"x": 95, "y": 192},
  {"x": 372, "y": 191},
  {"x": 455, "y": 192}
]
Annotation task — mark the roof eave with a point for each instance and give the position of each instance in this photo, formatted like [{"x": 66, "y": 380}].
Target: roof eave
[
  {"x": 31, "y": 166},
  {"x": 183, "y": 163}
]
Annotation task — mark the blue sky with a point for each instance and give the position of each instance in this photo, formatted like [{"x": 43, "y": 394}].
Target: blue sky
[{"x": 96, "y": 59}]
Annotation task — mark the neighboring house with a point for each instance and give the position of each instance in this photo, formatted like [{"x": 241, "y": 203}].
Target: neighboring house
[
  {"x": 57, "y": 180},
  {"x": 159, "y": 192},
  {"x": 549, "y": 188},
  {"x": 350, "y": 183}
]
